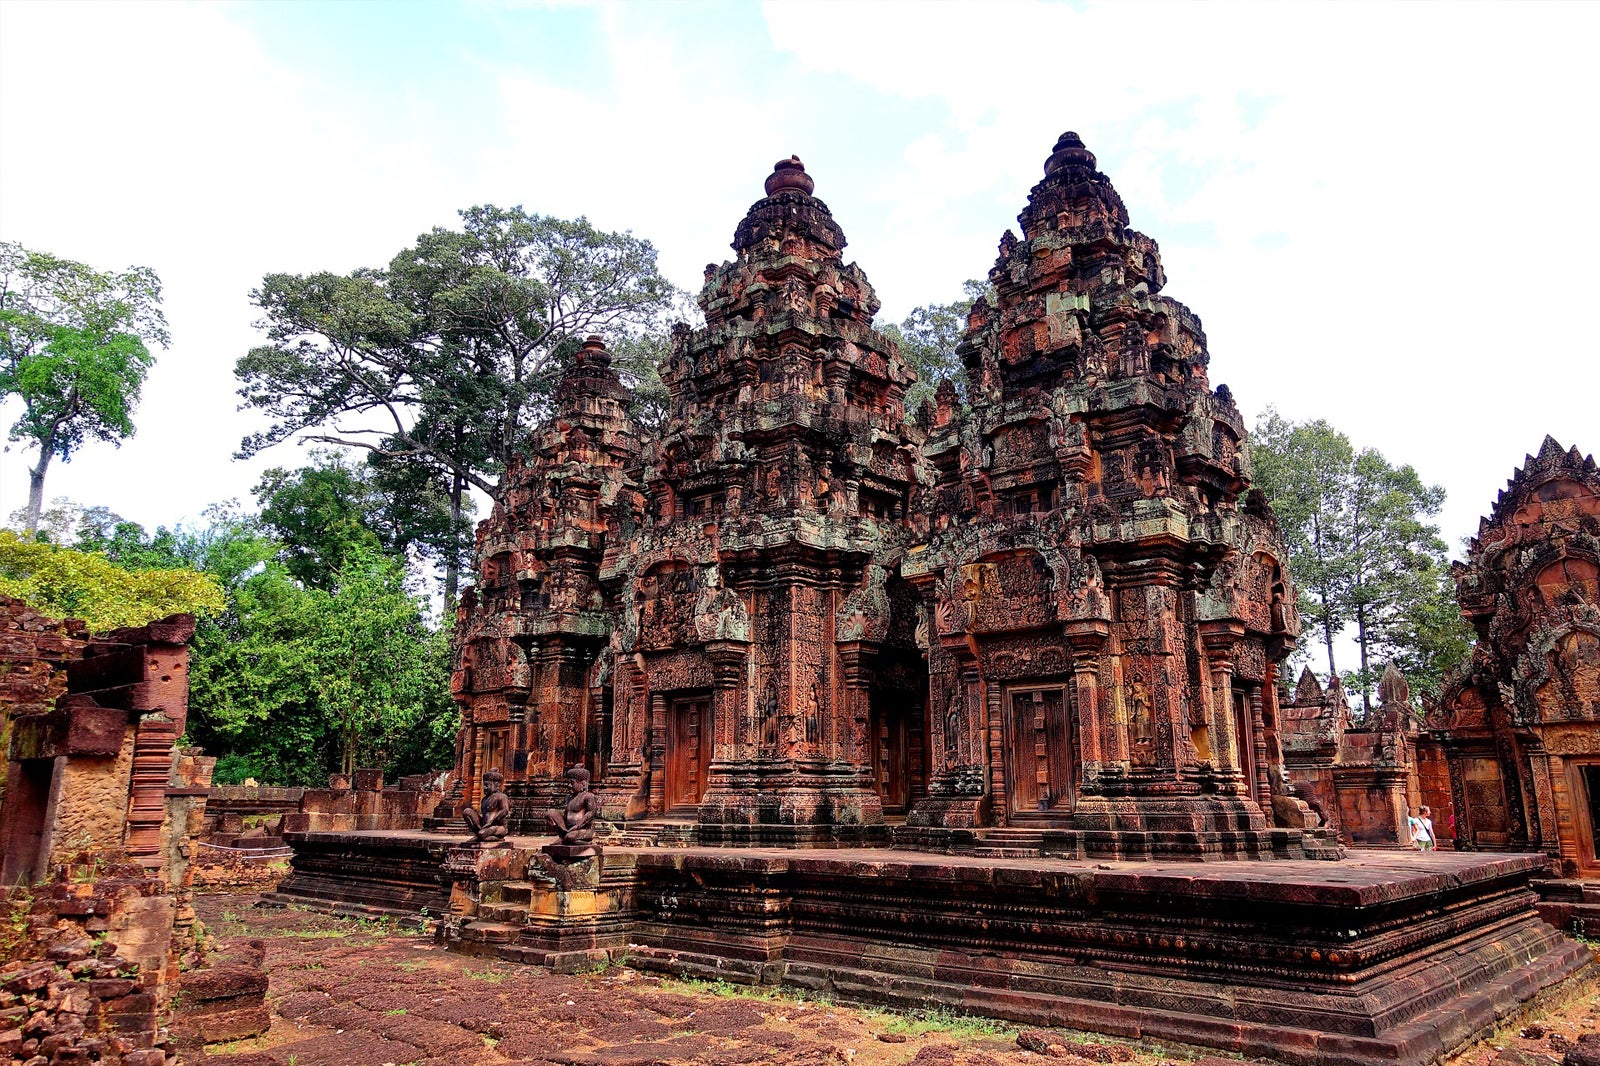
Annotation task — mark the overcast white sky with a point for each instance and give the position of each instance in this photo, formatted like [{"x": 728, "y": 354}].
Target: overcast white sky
[{"x": 1386, "y": 215}]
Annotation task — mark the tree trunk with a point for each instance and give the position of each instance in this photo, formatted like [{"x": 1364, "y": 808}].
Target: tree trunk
[
  {"x": 36, "y": 485},
  {"x": 1361, "y": 639},
  {"x": 452, "y": 563},
  {"x": 1327, "y": 638}
]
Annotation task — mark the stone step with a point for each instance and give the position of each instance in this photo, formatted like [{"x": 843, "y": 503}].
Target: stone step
[
  {"x": 1005, "y": 853},
  {"x": 510, "y": 913},
  {"x": 490, "y": 932},
  {"x": 516, "y": 892}
]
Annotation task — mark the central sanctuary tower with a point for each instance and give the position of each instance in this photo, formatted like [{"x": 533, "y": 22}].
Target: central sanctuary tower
[{"x": 1049, "y": 611}]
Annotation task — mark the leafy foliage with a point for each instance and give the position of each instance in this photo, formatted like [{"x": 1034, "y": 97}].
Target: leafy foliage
[
  {"x": 73, "y": 350},
  {"x": 297, "y": 680},
  {"x": 928, "y": 337},
  {"x": 68, "y": 583},
  {"x": 1361, "y": 550},
  {"x": 441, "y": 362}
]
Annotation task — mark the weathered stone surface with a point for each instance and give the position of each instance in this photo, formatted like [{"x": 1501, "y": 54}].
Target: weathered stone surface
[
  {"x": 1519, "y": 724},
  {"x": 788, "y": 609},
  {"x": 1360, "y": 775}
]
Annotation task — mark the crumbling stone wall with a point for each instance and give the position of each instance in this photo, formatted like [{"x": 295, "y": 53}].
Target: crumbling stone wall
[
  {"x": 98, "y": 814},
  {"x": 1360, "y": 776}
]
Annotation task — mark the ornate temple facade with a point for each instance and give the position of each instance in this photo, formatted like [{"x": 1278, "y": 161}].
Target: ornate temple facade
[
  {"x": 790, "y": 612},
  {"x": 1519, "y": 723}
]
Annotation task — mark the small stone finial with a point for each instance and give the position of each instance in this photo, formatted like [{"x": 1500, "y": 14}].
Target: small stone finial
[
  {"x": 594, "y": 351},
  {"x": 1393, "y": 689},
  {"x": 790, "y": 174},
  {"x": 1069, "y": 152}
]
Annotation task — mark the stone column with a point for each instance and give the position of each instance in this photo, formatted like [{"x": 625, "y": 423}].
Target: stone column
[
  {"x": 658, "y": 753},
  {"x": 734, "y": 735},
  {"x": 996, "y": 734},
  {"x": 1262, "y": 785},
  {"x": 855, "y": 661},
  {"x": 1219, "y": 638}
]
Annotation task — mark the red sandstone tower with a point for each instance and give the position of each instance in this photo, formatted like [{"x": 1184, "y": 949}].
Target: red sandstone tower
[
  {"x": 532, "y": 637},
  {"x": 758, "y": 641},
  {"x": 1109, "y": 603},
  {"x": 790, "y": 611}
]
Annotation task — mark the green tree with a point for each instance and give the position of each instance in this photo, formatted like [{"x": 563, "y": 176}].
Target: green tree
[
  {"x": 1302, "y": 468},
  {"x": 294, "y": 680},
  {"x": 1361, "y": 550},
  {"x": 449, "y": 355},
  {"x": 73, "y": 350},
  {"x": 68, "y": 583},
  {"x": 928, "y": 337}
]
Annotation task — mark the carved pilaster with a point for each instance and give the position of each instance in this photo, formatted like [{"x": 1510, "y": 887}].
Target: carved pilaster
[
  {"x": 1216, "y": 717},
  {"x": 997, "y": 740},
  {"x": 856, "y": 659},
  {"x": 1262, "y": 784},
  {"x": 658, "y": 753},
  {"x": 1096, "y": 733}
]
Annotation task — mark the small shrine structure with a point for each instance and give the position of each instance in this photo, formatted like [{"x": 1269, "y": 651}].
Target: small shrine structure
[{"x": 1519, "y": 723}]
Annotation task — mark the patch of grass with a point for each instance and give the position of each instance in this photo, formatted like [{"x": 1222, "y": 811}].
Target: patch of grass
[
  {"x": 412, "y": 965},
  {"x": 941, "y": 1020},
  {"x": 315, "y": 934},
  {"x": 492, "y": 976},
  {"x": 730, "y": 990},
  {"x": 395, "y": 1011}
]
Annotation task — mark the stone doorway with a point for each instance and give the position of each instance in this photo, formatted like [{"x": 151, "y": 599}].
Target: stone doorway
[
  {"x": 898, "y": 750},
  {"x": 688, "y": 756},
  {"x": 27, "y": 806},
  {"x": 1039, "y": 751},
  {"x": 1583, "y": 781}
]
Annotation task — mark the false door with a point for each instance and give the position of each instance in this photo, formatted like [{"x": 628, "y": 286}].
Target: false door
[
  {"x": 1039, "y": 745},
  {"x": 688, "y": 757}
]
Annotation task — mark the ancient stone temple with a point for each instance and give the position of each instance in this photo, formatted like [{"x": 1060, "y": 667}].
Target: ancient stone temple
[
  {"x": 762, "y": 644},
  {"x": 1363, "y": 776},
  {"x": 953, "y": 662},
  {"x": 791, "y": 612},
  {"x": 1519, "y": 723},
  {"x": 1108, "y": 603},
  {"x": 534, "y": 637}
]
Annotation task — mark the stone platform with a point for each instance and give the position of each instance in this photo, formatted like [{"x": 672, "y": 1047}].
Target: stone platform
[
  {"x": 369, "y": 871},
  {"x": 1382, "y": 958}
]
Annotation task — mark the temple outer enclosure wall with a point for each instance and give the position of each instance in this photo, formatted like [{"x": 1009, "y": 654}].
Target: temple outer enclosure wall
[
  {"x": 1364, "y": 779},
  {"x": 99, "y": 814}
]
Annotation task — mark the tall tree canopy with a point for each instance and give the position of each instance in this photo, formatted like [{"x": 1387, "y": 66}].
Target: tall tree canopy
[
  {"x": 444, "y": 359},
  {"x": 928, "y": 337},
  {"x": 1362, "y": 552},
  {"x": 73, "y": 349}
]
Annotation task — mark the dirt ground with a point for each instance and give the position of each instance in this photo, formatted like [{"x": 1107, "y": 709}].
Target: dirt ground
[{"x": 367, "y": 993}]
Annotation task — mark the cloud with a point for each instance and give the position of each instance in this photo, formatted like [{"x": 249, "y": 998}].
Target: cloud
[{"x": 1382, "y": 213}]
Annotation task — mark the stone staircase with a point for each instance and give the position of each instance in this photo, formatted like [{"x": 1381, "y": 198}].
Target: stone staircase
[
  {"x": 1009, "y": 843},
  {"x": 653, "y": 833}
]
